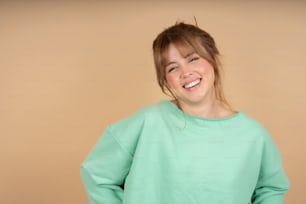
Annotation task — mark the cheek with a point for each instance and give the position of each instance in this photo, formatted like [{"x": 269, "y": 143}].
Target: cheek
[
  {"x": 209, "y": 72},
  {"x": 171, "y": 81},
  {"x": 212, "y": 73}
]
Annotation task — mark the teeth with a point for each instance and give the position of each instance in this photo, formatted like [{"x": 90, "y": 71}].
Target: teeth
[{"x": 192, "y": 84}]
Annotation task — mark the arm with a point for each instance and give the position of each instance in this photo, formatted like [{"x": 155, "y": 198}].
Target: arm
[
  {"x": 104, "y": 170},
  {"x": 272, "y": 182}
]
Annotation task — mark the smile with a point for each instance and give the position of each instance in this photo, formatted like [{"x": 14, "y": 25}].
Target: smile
[{"x": 192, "y": 84}]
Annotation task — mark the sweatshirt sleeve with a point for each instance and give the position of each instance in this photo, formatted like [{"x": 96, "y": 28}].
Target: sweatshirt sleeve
[
  {"x": 272, "y": 182},
  {"x": 104, "y": 170}
]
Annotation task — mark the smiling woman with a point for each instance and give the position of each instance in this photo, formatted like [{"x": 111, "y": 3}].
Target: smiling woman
[{"x": 191, "y": 149}]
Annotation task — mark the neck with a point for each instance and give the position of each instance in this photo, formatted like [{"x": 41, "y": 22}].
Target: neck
[{"x": 212, "y": 109}]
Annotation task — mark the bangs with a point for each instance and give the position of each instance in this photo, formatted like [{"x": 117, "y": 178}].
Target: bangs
[{"x": 183, "y": 46}]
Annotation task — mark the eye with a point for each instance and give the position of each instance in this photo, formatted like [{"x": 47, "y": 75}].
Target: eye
[
  {"x": 194, "y": 59},
  {"x": 171, "y": 69}
]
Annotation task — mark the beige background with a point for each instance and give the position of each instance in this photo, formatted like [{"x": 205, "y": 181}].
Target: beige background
[{"x": 69, "y": 69}]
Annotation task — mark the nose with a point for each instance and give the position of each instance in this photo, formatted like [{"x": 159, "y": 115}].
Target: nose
[{"x": 186, "y": 72}]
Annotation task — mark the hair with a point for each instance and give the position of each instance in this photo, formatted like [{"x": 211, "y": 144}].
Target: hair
[{"x": 187, "y": 36}]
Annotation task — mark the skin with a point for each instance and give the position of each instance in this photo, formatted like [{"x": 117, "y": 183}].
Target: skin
[{"x": 191, "y": 78}]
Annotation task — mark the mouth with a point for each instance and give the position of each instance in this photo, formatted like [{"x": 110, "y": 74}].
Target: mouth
[{"x": 192, "y": 84}]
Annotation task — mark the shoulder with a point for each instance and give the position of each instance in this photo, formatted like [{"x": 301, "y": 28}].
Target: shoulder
[
  {"x": 127, "y": 131},
  {"x": 250, "y": 121},
  {"x": 255, "y": 127},
  {"x": 138, "y": 118}
]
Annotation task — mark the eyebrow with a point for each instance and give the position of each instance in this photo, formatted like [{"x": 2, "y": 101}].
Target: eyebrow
[
  {"x": 189, "y": 54},
  {"x": 186, "y": 56}
]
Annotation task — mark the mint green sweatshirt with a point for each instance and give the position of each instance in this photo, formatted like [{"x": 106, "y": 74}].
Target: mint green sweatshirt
[{"x": 160, "y": 155}]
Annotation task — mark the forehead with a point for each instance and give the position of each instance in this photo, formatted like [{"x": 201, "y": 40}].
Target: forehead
[{"x": 183, "y": 49}]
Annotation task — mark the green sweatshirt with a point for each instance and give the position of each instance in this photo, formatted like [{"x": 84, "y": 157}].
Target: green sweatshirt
[{"x": 160, "y": 155}]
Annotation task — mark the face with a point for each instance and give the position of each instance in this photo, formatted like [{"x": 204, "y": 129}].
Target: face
[{"x": 190, "y": 77}]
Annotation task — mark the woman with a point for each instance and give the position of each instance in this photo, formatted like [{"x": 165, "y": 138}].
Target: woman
[{"x": 192, "y": 149}]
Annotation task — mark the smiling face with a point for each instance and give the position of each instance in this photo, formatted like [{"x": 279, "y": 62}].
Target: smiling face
[
  {"x": 189, "y": 76},
  {"x": 175, "y": 46}
]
